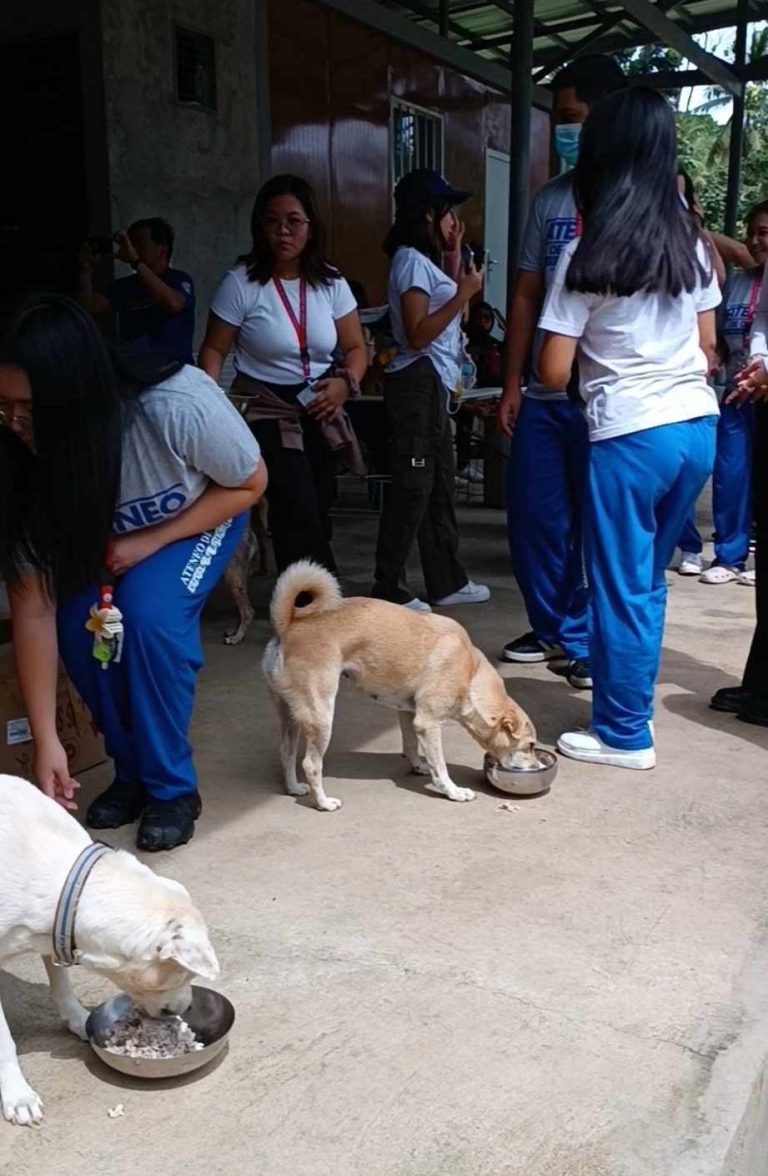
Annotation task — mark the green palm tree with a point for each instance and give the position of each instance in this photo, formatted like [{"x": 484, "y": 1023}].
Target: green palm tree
[{"x": 755, "y": 98}]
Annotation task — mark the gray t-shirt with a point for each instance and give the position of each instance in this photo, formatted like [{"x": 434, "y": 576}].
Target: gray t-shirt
[
  {"x": 552, "y": 223},
  {"x": 737, "y": 314},
  {"x": 178, "y": 437}
]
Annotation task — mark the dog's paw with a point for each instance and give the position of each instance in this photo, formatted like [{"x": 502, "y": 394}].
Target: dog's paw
[
  {"x": 21, "y": 1105},
  {"x": 233, "y": 638},
  {"x": 329, "y": 805},
  {"x": 420, "y": 767},
  {"x": 297, "y": 789},
  {"x": 451, "y": 790}
]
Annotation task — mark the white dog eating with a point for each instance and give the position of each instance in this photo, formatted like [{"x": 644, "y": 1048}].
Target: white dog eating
[{"x": 138, "y": 929}]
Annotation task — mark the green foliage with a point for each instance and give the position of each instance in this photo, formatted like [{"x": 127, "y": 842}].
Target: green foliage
[
  {"x": 703, "y": 143},
  {"x": 703, "y": 146}
]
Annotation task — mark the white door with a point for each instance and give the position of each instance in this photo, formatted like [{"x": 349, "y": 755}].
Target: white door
[{"x": 496, "y": 227}]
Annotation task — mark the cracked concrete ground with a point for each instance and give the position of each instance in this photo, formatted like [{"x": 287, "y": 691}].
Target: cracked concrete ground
[{"x": 575, "y": 987}]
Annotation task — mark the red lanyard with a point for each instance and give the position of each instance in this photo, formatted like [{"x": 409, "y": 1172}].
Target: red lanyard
[
  {"x": 749, "y": 317},
  {"x": 579, "y": 225},
  {"x": 299, "y": 324}
]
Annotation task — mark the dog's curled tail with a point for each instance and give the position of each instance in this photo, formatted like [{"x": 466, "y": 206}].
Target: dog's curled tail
[{"x": 305, "y": 589}]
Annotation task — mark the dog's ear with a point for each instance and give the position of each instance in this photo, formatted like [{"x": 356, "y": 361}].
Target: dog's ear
[
  {"x": 191, "y": 948},
  {"x": 516, "y": 724},
  {"x": 511, "y": 725}
]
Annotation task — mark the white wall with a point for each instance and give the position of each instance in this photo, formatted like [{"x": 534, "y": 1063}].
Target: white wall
[{"x": 200, "y": 170}]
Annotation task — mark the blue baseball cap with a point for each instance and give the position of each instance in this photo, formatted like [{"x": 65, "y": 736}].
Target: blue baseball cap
[{"x": 425, "y": 185}]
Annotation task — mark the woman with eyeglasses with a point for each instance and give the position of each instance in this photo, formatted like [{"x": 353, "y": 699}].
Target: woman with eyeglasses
[
  {"x": 287, "y": 312},
  {"x": 125, "y": 482}
]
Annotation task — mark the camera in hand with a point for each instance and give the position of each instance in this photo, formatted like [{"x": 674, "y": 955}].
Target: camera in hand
[{"x": 102, "y": 245}]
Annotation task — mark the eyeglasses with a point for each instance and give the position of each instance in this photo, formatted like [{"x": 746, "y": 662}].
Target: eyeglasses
[
  {"x": 15, "y": 410},
  {"x": 294, "y": 224}
]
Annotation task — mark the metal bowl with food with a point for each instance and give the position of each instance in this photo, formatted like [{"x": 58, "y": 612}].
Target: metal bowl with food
[
  {"x": 161, "y": 1047},
  {"x": 525, "y": 773}
]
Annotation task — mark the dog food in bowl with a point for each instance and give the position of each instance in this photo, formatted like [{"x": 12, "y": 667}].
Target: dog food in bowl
[
  {"x": 135, "y": 1035},
  {"x": 525, "y": 773},
  {"x": 165, "y": 1047}
]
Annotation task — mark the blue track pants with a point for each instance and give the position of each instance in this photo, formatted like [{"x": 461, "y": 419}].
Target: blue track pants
[
  {"x": 731, "y": 489},
  {"x": 546, "y": 486},
  {"x": 143, "y": 704},
  {"x": 641, "y": 488}
]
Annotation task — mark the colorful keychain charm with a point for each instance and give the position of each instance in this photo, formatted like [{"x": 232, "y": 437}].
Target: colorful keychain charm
[{"x": 106, "y": 623}]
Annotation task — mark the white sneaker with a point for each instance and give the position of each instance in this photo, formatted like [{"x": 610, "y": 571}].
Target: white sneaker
[
  {"x": 719, "y": 574},
  {"x": 690, "y": 564},
  {"x": 417, "y": 605},
  {"x": 471, "y": 593},
  {"x": 746, "y": 578},
  {"x": 590, "y": 749}
]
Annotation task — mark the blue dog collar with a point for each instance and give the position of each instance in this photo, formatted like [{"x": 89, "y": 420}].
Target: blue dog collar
[{"x": 64, "y": 951}]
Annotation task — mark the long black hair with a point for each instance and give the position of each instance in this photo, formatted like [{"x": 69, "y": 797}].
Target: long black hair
[
  {"x": 57, "y": 500},
  {"x": 417, "y": 224},
  {"x": 636, "y": 233},
  {"x": 260, "y": 260}
]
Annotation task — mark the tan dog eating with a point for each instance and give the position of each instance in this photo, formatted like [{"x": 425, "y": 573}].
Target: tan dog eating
[{"x": 425, "y": 666}]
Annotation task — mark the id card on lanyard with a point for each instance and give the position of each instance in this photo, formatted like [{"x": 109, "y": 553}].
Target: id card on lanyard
[{"x": 300, "y": 327}]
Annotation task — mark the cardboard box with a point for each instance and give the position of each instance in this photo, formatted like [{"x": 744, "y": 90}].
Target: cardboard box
[{"x": 81, "y": 740}]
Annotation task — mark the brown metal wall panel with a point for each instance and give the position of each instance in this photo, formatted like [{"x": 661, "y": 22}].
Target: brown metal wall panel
[{"x": 331, "y": 83}]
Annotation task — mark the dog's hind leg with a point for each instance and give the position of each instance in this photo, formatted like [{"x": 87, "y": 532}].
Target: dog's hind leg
[
  {"x": 21, "y": 1104},
  {"x": 236, "y": 580},
  {"x": 66, "y": 1003},
  {"x": 289, "y": 748},
  {"x": 317, "y": 732},
  {"x": 411, "y": 744},
  {"x": 430, "y": 737}
]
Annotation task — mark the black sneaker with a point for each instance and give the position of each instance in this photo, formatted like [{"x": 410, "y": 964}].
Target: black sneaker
[
  {"x": 731, "y": 700},
  {"x": 121, "y": 804},
  {"x": 755, "y": 711},
  {"x": 168, "y": 823},
  {"x": 528, "y": 648},
  {"x": 579, "y": 674}
]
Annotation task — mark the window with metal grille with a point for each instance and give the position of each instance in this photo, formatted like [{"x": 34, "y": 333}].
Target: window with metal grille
[
  {"x": 195, "y": 69},
  {"x": 417, "y": 139}
]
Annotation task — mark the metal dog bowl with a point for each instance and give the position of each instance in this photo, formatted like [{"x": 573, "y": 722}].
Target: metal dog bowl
[
  {"x": 523, "y": 779},
  {"x": 210, "y": 1017}
]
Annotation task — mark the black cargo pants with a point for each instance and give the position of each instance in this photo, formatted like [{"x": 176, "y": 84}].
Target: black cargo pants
[
  {"x": 756, "y": 672},
  {"x": 419, "y": 505}
]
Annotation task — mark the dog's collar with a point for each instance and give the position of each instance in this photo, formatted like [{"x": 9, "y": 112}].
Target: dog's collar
[{"x": 65, "y": 954}]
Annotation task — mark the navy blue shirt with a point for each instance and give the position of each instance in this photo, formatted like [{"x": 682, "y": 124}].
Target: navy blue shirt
[{"x": 146, "y": 326}]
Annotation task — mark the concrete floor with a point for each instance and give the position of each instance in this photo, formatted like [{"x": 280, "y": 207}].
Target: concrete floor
[{"x": 573, "y": 988}]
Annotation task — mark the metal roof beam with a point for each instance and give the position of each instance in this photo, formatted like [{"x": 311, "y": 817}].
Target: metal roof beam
[
  {"x": 549, "y": 59},
  {"x": 651, "y": 17}
]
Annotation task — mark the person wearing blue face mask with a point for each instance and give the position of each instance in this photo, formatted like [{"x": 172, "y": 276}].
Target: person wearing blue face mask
[
  {"x": 567, "y": 137},
  {"x": 547, "y": 469}
]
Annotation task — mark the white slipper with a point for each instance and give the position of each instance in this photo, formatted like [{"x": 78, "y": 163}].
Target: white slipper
[
  {"x": 590, "y": 749},
  {"x": 746, "y": 578},
  {"x": 719, "y": 574}
]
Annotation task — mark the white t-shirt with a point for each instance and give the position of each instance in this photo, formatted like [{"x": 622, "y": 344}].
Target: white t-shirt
[
  {"x": 267, "y": 347},
  {"x": 411, "y": 270},
  {"x": 640, "y": 363}
]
